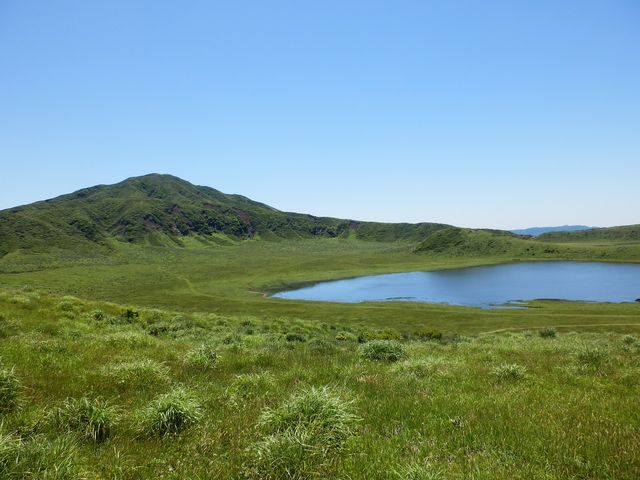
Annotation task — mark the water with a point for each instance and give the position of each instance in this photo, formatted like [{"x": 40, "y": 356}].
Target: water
[{"x": 487, "y": 286}]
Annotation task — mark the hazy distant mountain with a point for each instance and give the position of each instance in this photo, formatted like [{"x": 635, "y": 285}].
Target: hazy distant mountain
[{"x": 535, "y": 231}]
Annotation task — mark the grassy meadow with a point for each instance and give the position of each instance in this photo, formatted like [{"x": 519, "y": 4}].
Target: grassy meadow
[{"x": 156, "y": 362}]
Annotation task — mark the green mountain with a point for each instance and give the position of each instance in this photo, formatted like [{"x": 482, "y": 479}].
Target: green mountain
[
  {"x": 163, "y": 210},
  {"x": 469, "y": 242},
  {"x": 617, "y": 234}
]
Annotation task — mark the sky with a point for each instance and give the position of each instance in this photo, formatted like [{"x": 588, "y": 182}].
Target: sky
[{"x": 485, "y": 113}]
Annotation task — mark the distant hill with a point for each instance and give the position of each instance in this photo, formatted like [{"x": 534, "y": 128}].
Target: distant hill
[
  {"x": 621, "y": 234},
  {"x": 535, "y": 231},
  {"x": 476, "y": 243},
  {"x": 163, "y": 209}
]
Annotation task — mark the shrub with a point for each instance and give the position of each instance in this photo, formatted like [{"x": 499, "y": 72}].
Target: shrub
[
  {"x": 509, "y": 372},
  {"x": 170, "y": 413},
  {"x": 547, "y": 332},
  {"x": 302, "y": 435},
  {"x": 93, "y": 418},
  {"x": 205, "y": 356},
  {"x": 295, "y": 337},
  {"x": 385, "y": 350},
  {"x": 629, "y": 339},
  {"x": 140, "y": 372},
  {"x": 346, "y": 337},
  {"x": 427, "y": 335},
  {"x": 9, "y": 386}
]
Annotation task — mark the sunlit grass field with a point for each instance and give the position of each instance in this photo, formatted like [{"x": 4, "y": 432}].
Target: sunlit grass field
[{"x": 172, "y": 363}]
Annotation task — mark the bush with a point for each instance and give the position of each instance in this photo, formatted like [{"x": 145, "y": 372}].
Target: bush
[
  {"x": 301, "y": 435},
  {"x": 346, "y": 337},
  {"x": 9, "y": 385},
  {"x": 385, "y": 350},
  {"x": 170, "y": 413},
  {"x": 547, "y": 332},
  {"x": 93, "y": 418},
  {"x": 295, "y": 337},
  {"x": 205, "y": 356},
  {"x": 509, "y": 372}
]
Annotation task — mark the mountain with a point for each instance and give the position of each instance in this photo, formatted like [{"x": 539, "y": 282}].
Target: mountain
[
  {"x": 455, "y": 241},
  {"x": 627, "y": 233},
  {"x": 163, "y": 210},
  {"x": 535, "y": 231}
]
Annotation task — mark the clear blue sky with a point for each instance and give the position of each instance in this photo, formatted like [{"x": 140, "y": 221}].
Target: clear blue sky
[{"x": 476, "y": 113}]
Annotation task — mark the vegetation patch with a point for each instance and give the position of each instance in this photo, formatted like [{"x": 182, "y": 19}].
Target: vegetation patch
[
  {"x": 205, "y": 356},
  {"x": 303, "y": 436},
  {"x": 92, "y": 418},
  {"x": 145, "y": 372},
  {"x": 509, "y": 372},
  {"x": 382, "y": 350},
  {"x": 170, "y": 413},
  {"x": 9, "y": 386}
]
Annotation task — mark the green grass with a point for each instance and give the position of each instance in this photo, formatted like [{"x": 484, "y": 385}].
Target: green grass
[{"x": 506, "y": 405}]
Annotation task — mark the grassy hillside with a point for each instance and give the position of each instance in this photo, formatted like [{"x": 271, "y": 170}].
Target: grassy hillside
[
  {"x": 163, "y": 210},
  {"x": 460, "y": 242},
  {"x": 103, "y": 391},
  {"x": 628, "y": 233}
]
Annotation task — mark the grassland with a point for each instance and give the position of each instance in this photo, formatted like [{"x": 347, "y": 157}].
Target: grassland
[{"x": 245, "y": 395}]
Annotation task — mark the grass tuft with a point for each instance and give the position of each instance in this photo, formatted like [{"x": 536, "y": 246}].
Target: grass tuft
[
  {"x": 510, "y": 372},
  {"x": 93, "y": 418},
  {"x": 303, "y": 436},
  {"x": 9, "y": 386},
  {"x": 170, "y": 413},
  {"x": 204, "y": 356},
  {"x": 382, "y": 350}
]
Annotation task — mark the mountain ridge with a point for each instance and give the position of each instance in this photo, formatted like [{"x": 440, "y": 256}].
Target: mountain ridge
[
  {"x": 160, "y": 209},
  {"x": 536, "y": 231}
]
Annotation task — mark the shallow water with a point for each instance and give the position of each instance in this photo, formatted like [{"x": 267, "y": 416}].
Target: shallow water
[{"x": 487, "y": 286}]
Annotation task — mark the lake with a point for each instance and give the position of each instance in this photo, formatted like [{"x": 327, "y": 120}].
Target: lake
[{"x": 486, "y": 286}]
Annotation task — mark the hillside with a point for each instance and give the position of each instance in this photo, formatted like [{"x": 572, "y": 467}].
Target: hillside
[
  {"x": 162, "y": 209},
  {"x": 467, "y": 242},
  {"x": 536, "y": 231},
  {"x": 619, "y": 234}
]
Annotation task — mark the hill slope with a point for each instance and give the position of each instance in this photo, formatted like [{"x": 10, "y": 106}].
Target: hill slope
[
  {"x": 535, "y": 231},
  {"x": 620, "y": 234},
  {"x": 162, "y": 209}
]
